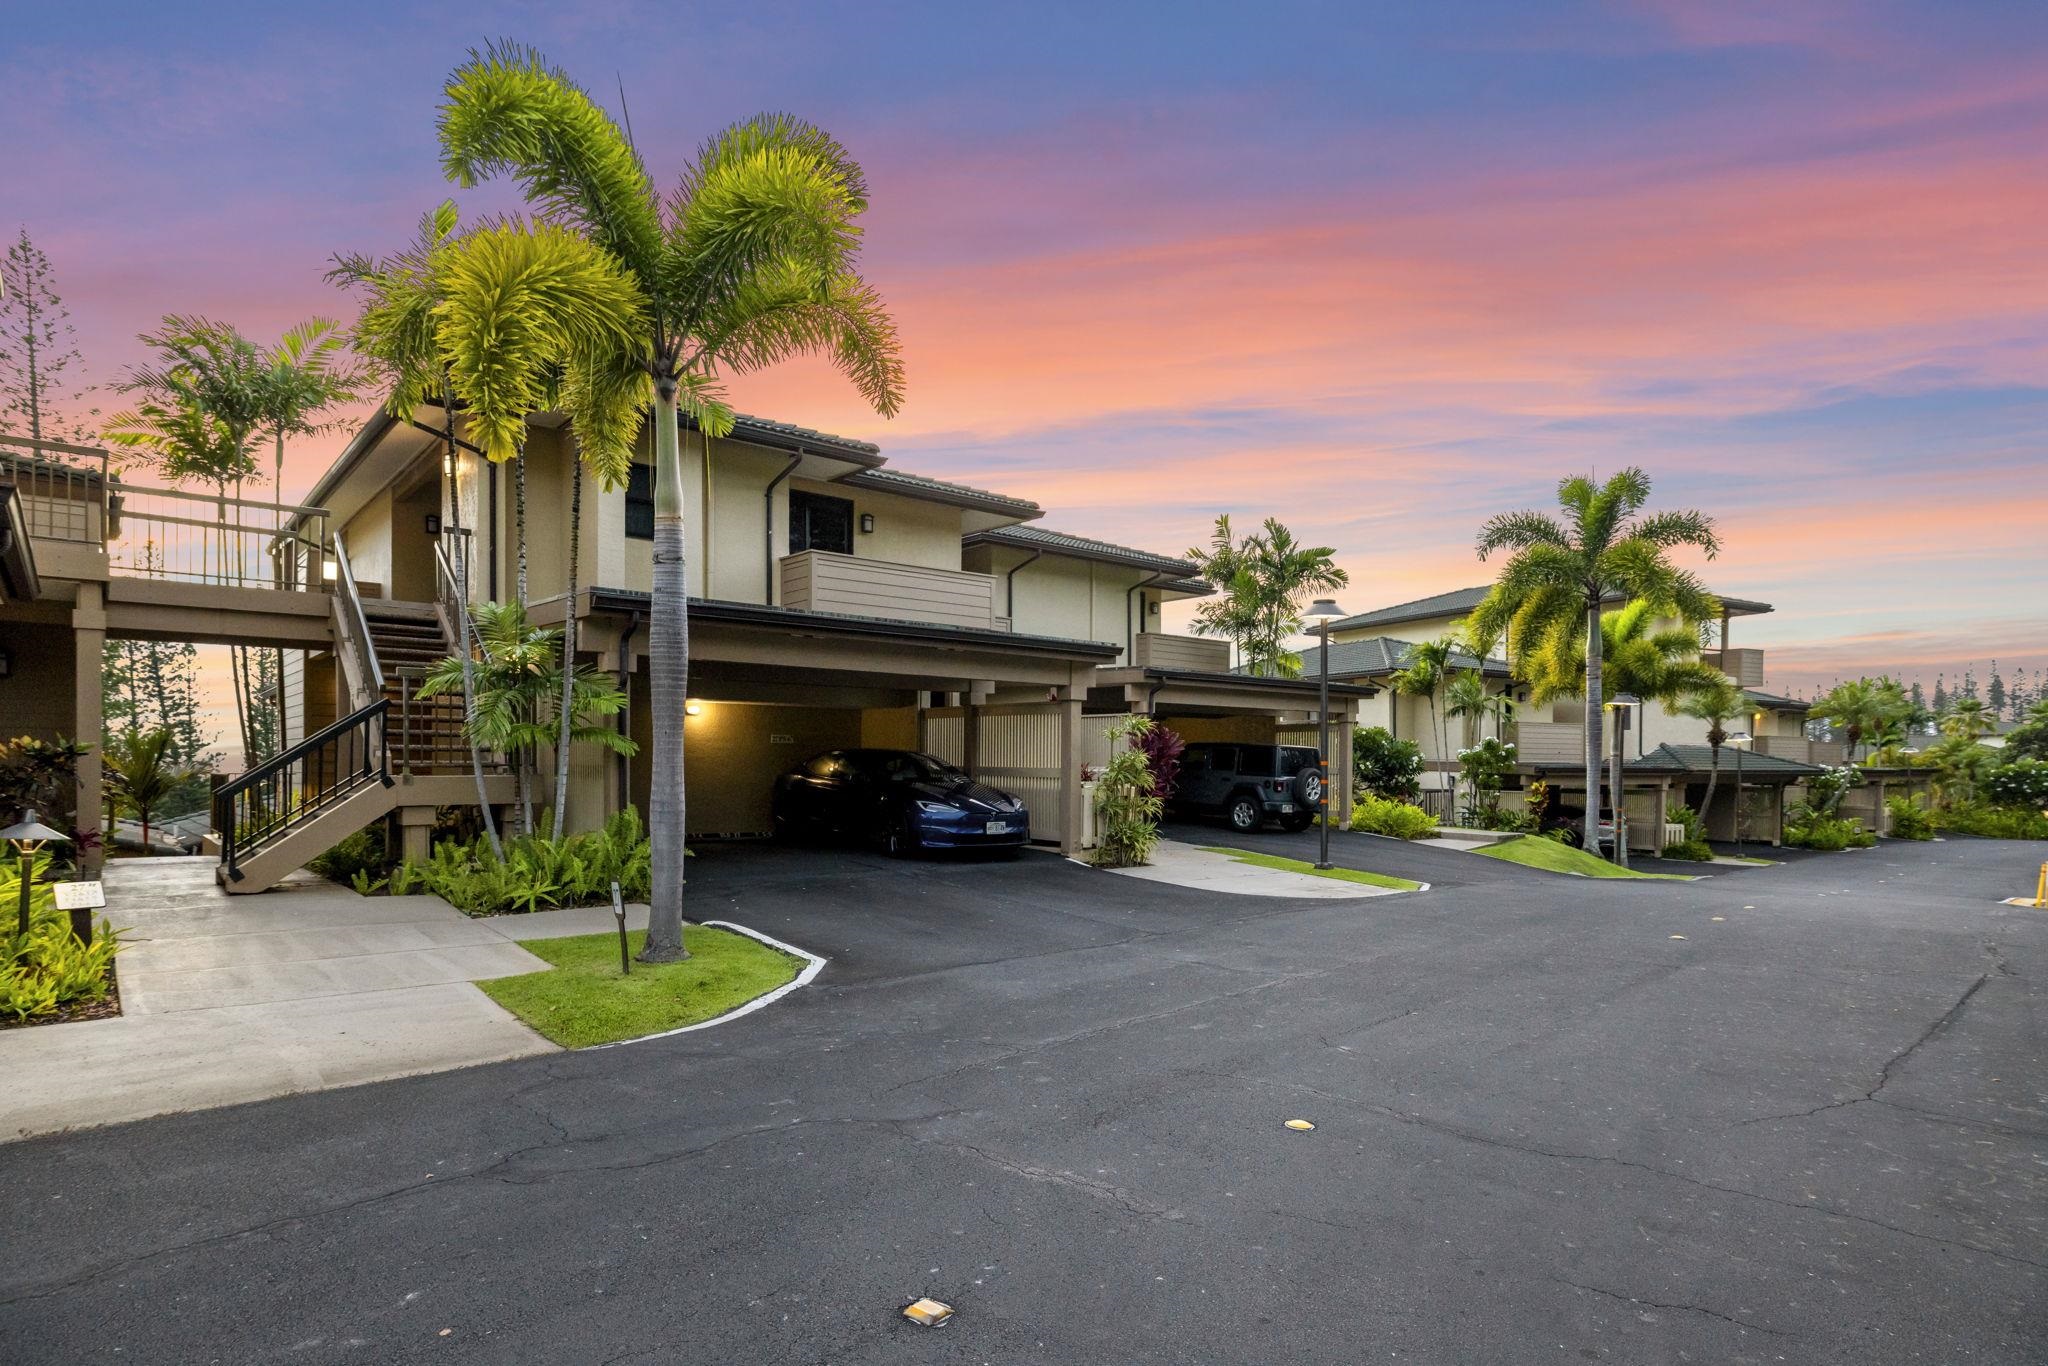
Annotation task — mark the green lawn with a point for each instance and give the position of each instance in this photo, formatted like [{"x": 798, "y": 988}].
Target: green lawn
[
  {"x": 583, "y": 1000},
  {"x": 1535, "y": 852},
  {"x": 1295, "y": 865}
]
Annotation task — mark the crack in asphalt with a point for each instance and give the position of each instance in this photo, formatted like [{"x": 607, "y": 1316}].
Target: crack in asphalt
[
  {"x": 1685, "y": 1308},
  {"x": 1100, "y": 1190},
  {"x": 1884, "y": 1072},
  {"x": 1531, "y": 1150}
]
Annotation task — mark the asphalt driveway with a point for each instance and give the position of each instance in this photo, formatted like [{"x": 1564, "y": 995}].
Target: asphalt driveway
[{"x": 1791, "y": 1114}]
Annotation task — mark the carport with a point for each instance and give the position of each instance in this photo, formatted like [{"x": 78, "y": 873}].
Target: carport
[
  {"x": 772, "y": 686},
  {"x": 1199, "y": 705}
]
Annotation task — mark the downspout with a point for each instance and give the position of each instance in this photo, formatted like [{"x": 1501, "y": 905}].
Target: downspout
[
  {"x": 768, "y": 525},
  {"x": 1010, "y": 588},
  {"x": 625, "y": 712},
  {"x": 491, "y": 517}
]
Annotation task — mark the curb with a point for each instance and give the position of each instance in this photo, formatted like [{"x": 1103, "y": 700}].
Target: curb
[{"x": 813, "y": 965}]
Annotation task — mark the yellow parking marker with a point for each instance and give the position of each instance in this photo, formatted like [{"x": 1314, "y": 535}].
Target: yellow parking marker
[
  {"x": 931, "y": 1313},
  {"x": 1300, "y": 1126}
]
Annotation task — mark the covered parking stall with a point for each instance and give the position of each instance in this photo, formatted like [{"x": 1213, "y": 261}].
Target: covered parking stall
[
  {"x": 770, "y": 687},
  {"x": 1198, "y": 705}
]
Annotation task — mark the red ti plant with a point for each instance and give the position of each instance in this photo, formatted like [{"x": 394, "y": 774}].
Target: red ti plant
[{"x": 1162, "y": 750}]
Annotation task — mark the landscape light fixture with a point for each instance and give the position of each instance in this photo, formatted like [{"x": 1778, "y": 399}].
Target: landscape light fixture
[
  {"x": 1741, "y": 740},
  {"x": 28, "y": 835},
  {"x": 1320, "y": 614}
]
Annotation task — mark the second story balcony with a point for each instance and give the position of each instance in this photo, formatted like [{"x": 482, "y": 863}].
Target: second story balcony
[
  {"x": 1190, "y": 654},
  {"x": 87, "y": 523},
  {"x": 852, "y": 585}
]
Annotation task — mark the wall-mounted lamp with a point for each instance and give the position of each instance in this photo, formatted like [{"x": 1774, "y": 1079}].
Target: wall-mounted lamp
[
  {"x": 433, "y": 524},
  {"x": 867, "y": 521},
  {"x": 692, "y": 708}
]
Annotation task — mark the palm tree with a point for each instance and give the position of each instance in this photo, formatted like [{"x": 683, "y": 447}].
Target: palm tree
[
  {"x": 1560, "y": 572},
  {"x": 1715, "y": 704},
  {"x": 142, "y": 772},
  {"x": 748, "y": 262},
  {"x": 506, "y": 320},
  {"x": 1865, "y": 708},
  {"x": 1264, "y": 579},
  {"x": 519, "y": 682},
  {"x": 1968, "y": 719}
]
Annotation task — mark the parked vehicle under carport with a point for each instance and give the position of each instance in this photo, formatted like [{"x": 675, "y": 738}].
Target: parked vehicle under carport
[
  {"x": 898, "y": 799},
  {"x": 1248, "y": 784}
]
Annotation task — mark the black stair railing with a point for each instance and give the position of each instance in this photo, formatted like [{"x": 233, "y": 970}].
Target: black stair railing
[{"x": 278, "y": 795}]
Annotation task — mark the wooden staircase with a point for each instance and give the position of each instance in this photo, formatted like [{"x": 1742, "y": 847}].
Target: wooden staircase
[{"x": 425, "y": 733}]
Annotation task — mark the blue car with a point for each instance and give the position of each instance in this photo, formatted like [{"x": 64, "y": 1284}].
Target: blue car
[{"x": 898, "y": 799}]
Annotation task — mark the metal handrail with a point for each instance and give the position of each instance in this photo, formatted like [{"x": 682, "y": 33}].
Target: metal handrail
[
  {"x": 352, "y": 599},
  {"x": 451, "y": 589},
  {"x": 267, "y": 801}
]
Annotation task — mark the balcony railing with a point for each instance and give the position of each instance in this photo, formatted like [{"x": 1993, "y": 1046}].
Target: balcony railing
[
  {"x": 1193, "y": 654},
  {"x": 823, "y": 581},
  {"x": 1547, "y": 742},
  {"x": 70, "y": 495}
]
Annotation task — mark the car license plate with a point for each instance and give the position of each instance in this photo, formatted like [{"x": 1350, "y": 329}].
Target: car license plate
[
  {"x": 1287, "y": 808},
  {"x": 998, "y": 827}
]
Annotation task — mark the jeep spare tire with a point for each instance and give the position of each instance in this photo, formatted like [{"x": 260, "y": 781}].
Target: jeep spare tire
[{"x": 1308, "y": 788}]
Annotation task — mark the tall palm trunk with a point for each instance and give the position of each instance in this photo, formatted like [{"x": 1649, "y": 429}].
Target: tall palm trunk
[
  {"x": 283, "y": 548},
  {"x": 461, "y": 568},
  {"x": 668, "y": 651},
  {"x": 519, "y": 517},
  {"x": 1715, "y": 739},
  {"x": 568, "y": 714},
  {"x": 1590, "y": 828}
]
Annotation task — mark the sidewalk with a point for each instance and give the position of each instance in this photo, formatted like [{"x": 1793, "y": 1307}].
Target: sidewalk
[
  {"x": 231, "y": 999},
  {"x": 1184, "y": 865}
]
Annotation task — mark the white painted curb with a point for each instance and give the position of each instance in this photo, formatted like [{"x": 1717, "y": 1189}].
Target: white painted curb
[{"x": 813, "y": 965}]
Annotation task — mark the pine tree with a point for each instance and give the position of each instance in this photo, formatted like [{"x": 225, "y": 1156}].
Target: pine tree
[
  {"x": 1969, "y": 688},
  {"x": 38, "y": 347},
  {"x": 1994, "y": 691},
  {"x": 1940, "y": 695}
]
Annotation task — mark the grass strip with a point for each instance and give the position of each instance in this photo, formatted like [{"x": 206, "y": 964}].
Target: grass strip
[
  {"x": 1295, "y": 865},
  {"x": 584, "y": 999},
  {"x": 1552, "y": 857}
]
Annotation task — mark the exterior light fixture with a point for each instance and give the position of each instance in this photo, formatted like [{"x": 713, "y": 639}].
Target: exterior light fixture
[
  {"x": 1320, "y": 614},
  {"x": 433, "y": 524},
  {"x": 27, "y": 836},
  {"x": 867, "y": 521},
  {"x": 692, "y": 708}
]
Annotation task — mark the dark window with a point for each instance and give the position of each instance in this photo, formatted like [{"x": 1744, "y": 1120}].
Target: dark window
[
  {"x": 1258, "y": 761},
  {"x": 820, "y": 523},
  {"x": 827, "y": 766},
  {"x": 1223, "y": 759},
  {"x": 640, "y": 502},
  {"x": 1294, "y": 759}
]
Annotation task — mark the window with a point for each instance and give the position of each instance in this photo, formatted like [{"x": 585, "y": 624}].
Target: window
[
  {"x": 1295, "y": 758},
  {"x": 1258, "y": 761},
  {"x": 1223, "y": 759},
  {"x": 820, "y": 523},
  {"x": 640, "y": 502}
]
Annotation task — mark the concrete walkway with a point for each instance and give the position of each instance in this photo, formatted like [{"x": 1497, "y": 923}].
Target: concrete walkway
[
  {"x": 229, "y": 999},
  {"x": 1185, "y": 865}
]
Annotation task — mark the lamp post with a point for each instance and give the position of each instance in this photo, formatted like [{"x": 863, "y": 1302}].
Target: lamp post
[
  {"x": 27, "y": 836},
  {"x": 1623, "y": 707},
  {"x": 1321, "y": 613},
  {"x": 1740, "y": 740}
]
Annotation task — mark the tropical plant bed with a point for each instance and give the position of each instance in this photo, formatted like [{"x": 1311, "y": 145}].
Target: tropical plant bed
[
  {"x": 584, "y": 999},
  {"x": 104, "y": 1007},
  {"x": 1534, "y": 851},
  {"x": 1295, "y": 865}
]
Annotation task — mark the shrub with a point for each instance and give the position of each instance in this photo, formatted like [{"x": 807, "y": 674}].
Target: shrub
[
  {"x": 1825, "y": 791},
  {"x": 1808, "y": 828},
  {"x": 1991, "y": 822},
  {"x": 1691, "y": 851},
  {"x": 1385, "y": 766},
  {"x": 1910, "y": 820},
  {"x": 362, "y": 852},
  {"x": 1383, "y": 816},
  {"x": 1162, "y": 751},
  {"x": 49, "y": 969},
  {"x": 537, "y": 873},
  {"x": 1125, "y": 803},
  {"x": 2024, "y": 782}
]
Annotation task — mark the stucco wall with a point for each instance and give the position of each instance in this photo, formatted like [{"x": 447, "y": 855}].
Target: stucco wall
[
  {"x": 367, "y": 538},
  {"x": 36, "y": 697},
  {"x": 1070, "y": 598}
]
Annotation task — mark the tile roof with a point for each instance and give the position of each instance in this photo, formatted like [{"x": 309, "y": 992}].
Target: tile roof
[
  {"x": 1085, "y": 548},
  {"x": 1459, "y": 601},
  {"x": 1775, "y": 702},
  {"x": 744, "y": 423},
  {"x": 940, "y": 490},
  {"x": 1383, "y": 655},
  {"x": 1691, "y": 759}
]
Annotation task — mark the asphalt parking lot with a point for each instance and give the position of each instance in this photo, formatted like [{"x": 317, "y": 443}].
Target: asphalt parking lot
[{"x": 1786, "y": 1114}]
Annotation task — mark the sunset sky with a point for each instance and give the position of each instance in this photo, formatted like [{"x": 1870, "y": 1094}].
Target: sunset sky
[{"x": 1379, "y": 270}]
